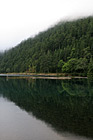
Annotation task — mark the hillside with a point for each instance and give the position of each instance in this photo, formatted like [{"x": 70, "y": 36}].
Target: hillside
[{"x": 67, "y": 47}]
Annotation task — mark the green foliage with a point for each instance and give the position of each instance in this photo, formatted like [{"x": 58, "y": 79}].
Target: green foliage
[
  {"x": 66, "y": 47},
  {"x": 70, "y": 66},
  {"x": 90, "y": 69},
  {"x": 82, "y": 65},
  {"x": 60, "y": 65}
]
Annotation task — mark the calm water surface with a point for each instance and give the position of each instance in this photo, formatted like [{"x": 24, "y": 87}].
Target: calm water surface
[{"x": 46, "y": 109}]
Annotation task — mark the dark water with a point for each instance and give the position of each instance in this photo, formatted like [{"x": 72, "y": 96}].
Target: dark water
[{"x": 46, "y": 109}]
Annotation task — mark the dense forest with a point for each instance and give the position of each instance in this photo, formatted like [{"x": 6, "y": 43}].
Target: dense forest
[{"x": 65, "y": 48}]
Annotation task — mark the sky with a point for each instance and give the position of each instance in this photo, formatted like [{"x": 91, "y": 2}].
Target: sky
[{"x": 21, "y": 19}]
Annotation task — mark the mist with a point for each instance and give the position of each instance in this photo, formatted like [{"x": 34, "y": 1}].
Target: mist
[{"x": 22, "y": 19}]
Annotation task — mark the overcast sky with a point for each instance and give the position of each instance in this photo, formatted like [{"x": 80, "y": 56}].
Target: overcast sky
[{"x": 20, "y": 19}]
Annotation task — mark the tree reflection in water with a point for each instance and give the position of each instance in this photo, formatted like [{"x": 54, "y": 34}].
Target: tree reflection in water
[{"x": 67, "y": 105}]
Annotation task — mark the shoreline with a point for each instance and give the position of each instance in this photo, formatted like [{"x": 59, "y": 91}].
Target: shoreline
[{"x": 40, "y": 76}]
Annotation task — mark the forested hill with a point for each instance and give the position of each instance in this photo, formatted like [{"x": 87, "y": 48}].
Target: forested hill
[{"x": 67, "y": 47}]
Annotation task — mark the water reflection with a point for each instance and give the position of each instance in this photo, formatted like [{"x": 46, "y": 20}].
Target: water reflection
[
  {"x": 66, "y": 105},
  {"x": 16, "y": 124}
]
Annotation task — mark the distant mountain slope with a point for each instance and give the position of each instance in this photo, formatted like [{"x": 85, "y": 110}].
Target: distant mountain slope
[{"x": 66, "y": 47}]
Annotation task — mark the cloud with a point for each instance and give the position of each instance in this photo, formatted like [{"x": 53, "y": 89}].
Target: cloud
[{"x": 20, "y": 19}]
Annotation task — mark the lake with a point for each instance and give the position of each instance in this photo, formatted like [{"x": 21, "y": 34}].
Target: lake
[{"x": 45, "y": 109}]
